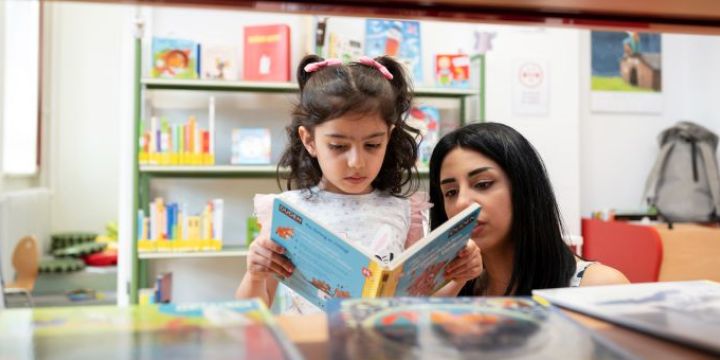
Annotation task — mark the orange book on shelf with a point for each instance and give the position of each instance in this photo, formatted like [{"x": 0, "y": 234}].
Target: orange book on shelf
[{"x": 266, "y": 53}]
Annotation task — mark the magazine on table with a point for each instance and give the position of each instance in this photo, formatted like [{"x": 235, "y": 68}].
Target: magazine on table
[{"x": 687, "y": 312}]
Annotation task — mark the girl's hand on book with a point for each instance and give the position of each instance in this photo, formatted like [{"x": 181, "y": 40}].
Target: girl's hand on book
[
  {"x": 467, "y": 265},
  {"x": 266, "y": 258}
]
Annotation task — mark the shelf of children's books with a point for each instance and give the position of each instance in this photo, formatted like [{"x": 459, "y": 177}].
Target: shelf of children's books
[
  {"x": 218, "y": 85},
  {"x": 227, "y": 251},
  {"x": 264, "y": 86},
  {"x": 209, "y": 171}
]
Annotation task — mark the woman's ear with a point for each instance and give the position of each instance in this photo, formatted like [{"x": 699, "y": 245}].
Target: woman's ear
[{"x": 307, "y": 140}]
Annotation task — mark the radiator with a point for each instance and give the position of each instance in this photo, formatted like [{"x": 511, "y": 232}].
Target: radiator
[{"x": 22, "y": 213}]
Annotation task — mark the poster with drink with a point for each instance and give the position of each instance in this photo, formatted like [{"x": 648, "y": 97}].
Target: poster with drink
[{"x": 399, "y": 39}]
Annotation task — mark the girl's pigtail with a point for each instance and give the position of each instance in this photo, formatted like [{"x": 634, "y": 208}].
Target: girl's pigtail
[
  {"x": 400, "y": 82},
  {"x": 302, "y": 75},
  {"x": 401, "y": 156}
]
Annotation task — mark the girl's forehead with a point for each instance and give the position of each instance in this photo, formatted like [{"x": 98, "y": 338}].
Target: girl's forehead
[{"x": 355, "y": 123}]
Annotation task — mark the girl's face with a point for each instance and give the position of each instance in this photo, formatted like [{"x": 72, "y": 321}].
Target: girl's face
[
  {"x": 350, "y": 150},
  {"x": 467, "y": 176}
]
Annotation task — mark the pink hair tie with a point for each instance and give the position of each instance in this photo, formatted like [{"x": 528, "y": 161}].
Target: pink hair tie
[
  {"x": 372, "y": 62},
  {"x": 312, "y": 67}
]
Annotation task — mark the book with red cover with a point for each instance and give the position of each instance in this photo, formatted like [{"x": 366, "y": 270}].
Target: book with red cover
[{"x": 267, "y": 53}]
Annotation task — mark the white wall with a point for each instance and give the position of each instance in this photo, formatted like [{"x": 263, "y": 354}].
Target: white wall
[
  {"x": 556, "y": 134},
  {"x": 618, "y": 149},
  {"x": 90, "y": 99},
  {"x": 88, "y": 117}
]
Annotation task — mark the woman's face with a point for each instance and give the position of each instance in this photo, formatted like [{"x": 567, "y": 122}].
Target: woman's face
[{"x": 467, "y": 176}]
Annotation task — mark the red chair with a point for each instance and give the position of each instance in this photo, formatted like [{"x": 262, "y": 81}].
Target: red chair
[{"x": 635, "y": 250}]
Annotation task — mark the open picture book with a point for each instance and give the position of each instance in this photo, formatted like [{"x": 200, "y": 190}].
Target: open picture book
[
  {"x": 687, "y": 312},
  {"x": 460, "y": 328},
  {"x": 327, "y": 266}
]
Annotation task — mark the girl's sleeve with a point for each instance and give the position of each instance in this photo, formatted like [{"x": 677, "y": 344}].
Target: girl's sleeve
[
  {"x": 419, "y": 205},
  {"x": 263, "y": 211}
]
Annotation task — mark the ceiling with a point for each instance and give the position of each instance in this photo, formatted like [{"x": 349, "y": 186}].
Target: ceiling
[{"x": 687, "y": 16}]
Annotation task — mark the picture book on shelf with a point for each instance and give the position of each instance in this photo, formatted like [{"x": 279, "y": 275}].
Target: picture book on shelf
[
  {"x": 174, "y": 58},
  {"x": 245, "y": 329},
  {"x": 250, "y": 146},
  {"x": 459, "y": 328},
  {"x": 266, "y": 53},
  {"x": 327, "y": 266},
  {"x": 344, "y": 47},
  {"x": 164, "y": 143},
  {"x": 426, "y": 119},
  {"x": 169, "y": 226},
  {"x": 452, "y": 70},
  {"x": 219, "y": 62},
  {"x": 687, "y": 312},
  {"x": 396, "y": 38}
]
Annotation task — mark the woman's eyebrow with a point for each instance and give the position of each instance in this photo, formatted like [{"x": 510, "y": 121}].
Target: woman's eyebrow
[
  {"x": 478, "y": 171},
  {"x": 447, "y": 181},
  {"x": 470, "y": 174}
]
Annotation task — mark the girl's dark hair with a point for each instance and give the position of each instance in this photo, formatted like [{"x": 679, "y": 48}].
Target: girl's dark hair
[
  {"x": 353, "y": 89},
  {"x": 541, "y": 259}
]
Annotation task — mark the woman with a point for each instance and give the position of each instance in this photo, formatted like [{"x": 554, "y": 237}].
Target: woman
[{"x": 519, "y": 229}]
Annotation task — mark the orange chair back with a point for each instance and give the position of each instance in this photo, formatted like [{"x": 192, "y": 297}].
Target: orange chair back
[{"x": 635, "y": 250}]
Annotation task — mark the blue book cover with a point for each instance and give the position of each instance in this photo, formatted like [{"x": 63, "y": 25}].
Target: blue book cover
[
  {"x": 327, "y": 266},
  {"x": 396, "y": 38},
  {"x": 251, "y": 146}
]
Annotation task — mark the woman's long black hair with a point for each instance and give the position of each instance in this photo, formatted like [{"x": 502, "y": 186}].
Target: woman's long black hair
[{"x": 541, "y": 259}]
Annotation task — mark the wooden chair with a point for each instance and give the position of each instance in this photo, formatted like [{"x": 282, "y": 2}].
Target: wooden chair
[{"x": 25, "y": 261}]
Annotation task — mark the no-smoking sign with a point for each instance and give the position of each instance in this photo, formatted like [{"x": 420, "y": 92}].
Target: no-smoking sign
[{"x": 530, "y": 75}]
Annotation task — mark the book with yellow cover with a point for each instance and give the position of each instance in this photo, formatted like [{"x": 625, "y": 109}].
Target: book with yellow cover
[{"x": 327, "y": 266}]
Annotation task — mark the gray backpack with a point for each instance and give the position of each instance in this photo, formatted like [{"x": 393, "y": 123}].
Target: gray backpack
[{"x": 684, "y": 184}]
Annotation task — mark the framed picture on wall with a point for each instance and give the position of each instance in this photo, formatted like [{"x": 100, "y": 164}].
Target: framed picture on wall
[{"x": 626, "y": 72}]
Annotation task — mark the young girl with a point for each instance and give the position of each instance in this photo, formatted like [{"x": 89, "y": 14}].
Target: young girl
[
  {"x": 519, "y": 230},
  {"x": 351, "y": 158}
]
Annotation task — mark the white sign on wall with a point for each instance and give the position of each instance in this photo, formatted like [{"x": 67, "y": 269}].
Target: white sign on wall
[{"x": 530, "y": 87}]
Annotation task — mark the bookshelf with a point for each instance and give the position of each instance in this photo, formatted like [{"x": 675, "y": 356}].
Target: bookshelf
[
  {"x": 144, "y": 175},
  {"x": 227, "y": 251}
]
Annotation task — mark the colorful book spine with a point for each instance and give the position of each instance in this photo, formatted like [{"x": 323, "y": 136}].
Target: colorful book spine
[
  {"x": 168, "y": 227},
  {"x": 177, "y": 144}
]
